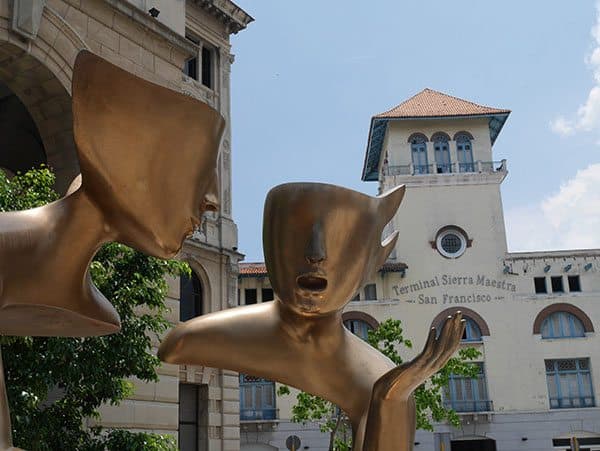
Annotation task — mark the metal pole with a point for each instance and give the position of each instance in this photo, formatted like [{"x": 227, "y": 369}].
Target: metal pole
[{"x": 574, "y": 444}]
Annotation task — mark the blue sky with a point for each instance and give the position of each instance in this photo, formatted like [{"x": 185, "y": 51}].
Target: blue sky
[{"x": 309, "y": 75}]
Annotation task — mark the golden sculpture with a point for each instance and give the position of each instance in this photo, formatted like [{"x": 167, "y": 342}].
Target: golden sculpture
[
  {"x": 148, "y": 172},
  {"x": 322, "y": 243}
]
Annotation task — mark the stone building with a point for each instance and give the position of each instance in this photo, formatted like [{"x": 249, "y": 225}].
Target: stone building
[
  {"x": 183, "y": 45},
  {"x": 532, "y": 315}
]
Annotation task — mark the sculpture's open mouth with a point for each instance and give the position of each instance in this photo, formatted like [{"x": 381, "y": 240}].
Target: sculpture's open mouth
[{"x": 312, "y": 282}]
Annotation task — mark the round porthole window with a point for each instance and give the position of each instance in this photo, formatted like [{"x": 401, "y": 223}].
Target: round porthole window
[{"x": 451, "y": 243}]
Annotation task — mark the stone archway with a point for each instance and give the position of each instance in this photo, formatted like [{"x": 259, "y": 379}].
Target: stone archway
[{"x": 39, "y": 73}]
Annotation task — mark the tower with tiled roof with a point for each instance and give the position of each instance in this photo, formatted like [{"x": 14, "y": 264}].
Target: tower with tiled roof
[{"x": 440, "y": 147}]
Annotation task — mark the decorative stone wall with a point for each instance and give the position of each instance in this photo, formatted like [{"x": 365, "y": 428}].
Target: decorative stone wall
[{"x": 37, "y": 67}]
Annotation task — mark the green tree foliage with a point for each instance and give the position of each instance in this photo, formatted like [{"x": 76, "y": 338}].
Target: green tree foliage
[
  {"x": 80, "y": 374},
  {"x": 389, "y": 339}
]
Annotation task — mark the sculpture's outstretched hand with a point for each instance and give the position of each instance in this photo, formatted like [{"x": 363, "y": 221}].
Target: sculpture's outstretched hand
[
  {"x": 401, "y": 381},
  {"x": 392, "y": 405}
]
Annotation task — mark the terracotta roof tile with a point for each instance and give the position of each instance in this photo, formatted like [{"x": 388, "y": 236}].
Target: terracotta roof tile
[
  {"x": 430, "y": 103},
  {"x": 257, "y": 269}
]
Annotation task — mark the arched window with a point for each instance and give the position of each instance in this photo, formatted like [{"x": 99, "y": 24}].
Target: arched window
[
  {"x": 464, "y": 151},
  {"x": 478, "y": 325},
  {"x": 358, "y": 327},
  {"x": 442, "y": 153},
  {"x": 472, "y": 331},
  {"x": 418, "y": 148},
  {"x": 190, "y": 297},
  {"x": 572, "y": 321},
  {"x": 562, "y": 325}
]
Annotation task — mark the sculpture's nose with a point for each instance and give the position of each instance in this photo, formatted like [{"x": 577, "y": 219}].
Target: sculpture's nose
[
  {"x": 211, "y": 198},
  {"x": 315, "y": 251}
]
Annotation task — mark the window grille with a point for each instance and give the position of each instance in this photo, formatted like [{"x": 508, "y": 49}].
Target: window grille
[
  {"x": 451, "y": 243},
  {"x": 257, "y": 399},
  {"x": 569, "y": 383},
  {"x": 468, "y": 394}
]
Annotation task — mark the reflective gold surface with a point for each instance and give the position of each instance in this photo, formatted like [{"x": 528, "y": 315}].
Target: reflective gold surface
[
  {"x": 148, "y": 159},
  {"x": 148, "y": 162},
  {"x": 321, "y": 243}
]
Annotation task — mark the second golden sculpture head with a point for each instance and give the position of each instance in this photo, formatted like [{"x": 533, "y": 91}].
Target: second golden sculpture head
[{"x": 148, "y": 155}]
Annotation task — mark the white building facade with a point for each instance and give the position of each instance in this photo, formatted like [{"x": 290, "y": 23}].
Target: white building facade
[{"x": 532, "y": 315}]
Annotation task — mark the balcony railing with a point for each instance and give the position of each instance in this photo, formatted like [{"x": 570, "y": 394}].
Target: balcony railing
[
  {"x": 437, "y": 168},
  {"x": 468, "y": 406},
  {"x": 567, "y": 402},
  {"x": 267, "y": 414}
]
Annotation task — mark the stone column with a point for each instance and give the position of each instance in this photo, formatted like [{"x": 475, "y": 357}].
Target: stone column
[{"x": 453, "y": 156}]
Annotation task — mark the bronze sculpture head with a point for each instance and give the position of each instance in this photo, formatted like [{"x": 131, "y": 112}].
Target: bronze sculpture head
[
  {"x": 148, "y": 171},
  {"x": 322, "y": 243},
  {"x": 148, "y": 155}
]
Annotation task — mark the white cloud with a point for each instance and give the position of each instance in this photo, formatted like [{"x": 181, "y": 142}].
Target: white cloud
[
  {"x": 569, "y": 219},
  {"x": 588, "y": 115},
  {"x": 562, "y": 126}
]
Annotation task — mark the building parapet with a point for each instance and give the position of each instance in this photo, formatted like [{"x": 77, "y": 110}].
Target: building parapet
[
  {"x": 234, "y": 17},
  {"x": 541, "y": 255},
  {"x": 164, "y": 31}
]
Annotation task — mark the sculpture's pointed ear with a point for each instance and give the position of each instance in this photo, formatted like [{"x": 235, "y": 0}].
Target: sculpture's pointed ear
[
  {"x": 387, "y": 246},
  {"x": 389, "y": 202}
]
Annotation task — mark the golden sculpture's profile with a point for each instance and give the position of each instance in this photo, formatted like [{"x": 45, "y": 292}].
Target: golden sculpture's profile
[
  {"x": 321, "y": 244},
  {"x": 148, "y": 171}
]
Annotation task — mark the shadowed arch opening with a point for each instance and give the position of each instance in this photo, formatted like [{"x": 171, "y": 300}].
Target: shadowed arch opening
[
  {"x": 198, "y": 289},
  {"x": 21, "y": 147},
  {"x": 566, "y": 308},
  {"x": 35, "y": 117},
  {"x": 467, "y": 314}
]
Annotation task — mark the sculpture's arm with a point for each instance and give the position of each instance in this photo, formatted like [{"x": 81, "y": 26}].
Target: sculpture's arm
[
  {"x": 391, "y": 418},
  {"x": 230, "y": 339}
]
